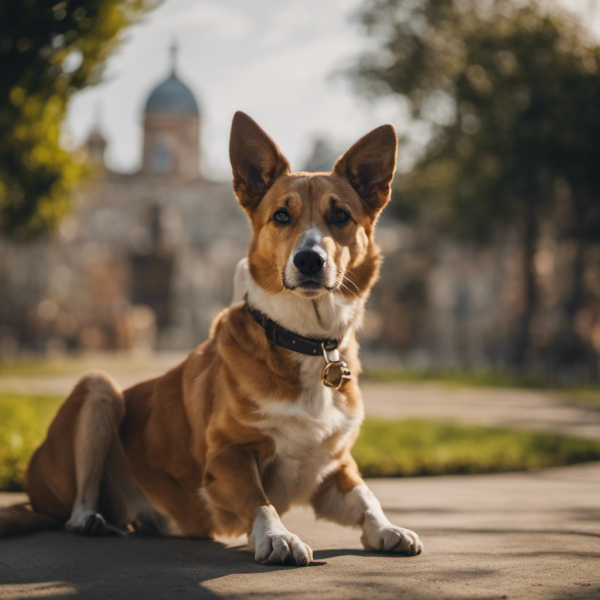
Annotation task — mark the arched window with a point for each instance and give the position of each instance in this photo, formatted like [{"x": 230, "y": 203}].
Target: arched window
[{"x": 161, "y": 158}]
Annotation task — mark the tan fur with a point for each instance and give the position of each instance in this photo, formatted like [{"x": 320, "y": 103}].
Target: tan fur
[
  {"x": 242, "y": 424},
  {"x": 19, "y": 519}
]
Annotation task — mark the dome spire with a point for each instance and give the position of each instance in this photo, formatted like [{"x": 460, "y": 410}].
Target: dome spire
[
  {"x": 174, "y": 49},
  {"x": 172, "y": 95}
]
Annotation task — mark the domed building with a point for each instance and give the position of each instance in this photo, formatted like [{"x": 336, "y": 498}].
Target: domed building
[
  {"x": 172, "y": 129},
  {"x": 146, "y": 258}
]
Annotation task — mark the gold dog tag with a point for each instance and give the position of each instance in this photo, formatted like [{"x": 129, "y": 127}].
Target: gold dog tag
[
  {"x": 334, "y": 374},
  {"x": 335, "y": 370}
]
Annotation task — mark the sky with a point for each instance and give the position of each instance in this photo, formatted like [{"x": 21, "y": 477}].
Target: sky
[{"x": 273, "y": 59}]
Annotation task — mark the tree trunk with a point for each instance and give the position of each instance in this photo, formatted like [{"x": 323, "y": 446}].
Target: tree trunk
[
  {"x": 577, "y": 292},
  {"x": 583, "y": 352},
  {"x": 522, "y": 354}
]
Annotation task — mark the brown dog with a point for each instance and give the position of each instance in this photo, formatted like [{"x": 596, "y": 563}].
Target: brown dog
[{"x": 264, "y": 414}]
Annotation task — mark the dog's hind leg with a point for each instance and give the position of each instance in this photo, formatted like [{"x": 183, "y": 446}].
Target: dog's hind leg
[
  {"x": 99, "y": 459},
  {"x": 78, "y": 475}
]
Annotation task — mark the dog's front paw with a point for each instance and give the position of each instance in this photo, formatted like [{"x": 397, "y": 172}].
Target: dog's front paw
[
  {"x": 385, "y": 537},
  {"x": 274, "y": 544},
  {"x": 282, "y": 549}
]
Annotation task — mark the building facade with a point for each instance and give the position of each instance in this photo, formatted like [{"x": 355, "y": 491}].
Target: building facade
[{"x": 144, "y": 259}]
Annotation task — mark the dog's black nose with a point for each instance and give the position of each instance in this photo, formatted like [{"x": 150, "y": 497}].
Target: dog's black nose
[{"x": 308, "y": 262}]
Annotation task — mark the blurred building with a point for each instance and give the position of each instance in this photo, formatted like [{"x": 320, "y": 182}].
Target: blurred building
[{"x": 145, "y": 259}]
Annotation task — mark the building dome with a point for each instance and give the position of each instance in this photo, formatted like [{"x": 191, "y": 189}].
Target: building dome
[
  {"x": 172, "y": 129},
  {"x": 173, "y": 97}
]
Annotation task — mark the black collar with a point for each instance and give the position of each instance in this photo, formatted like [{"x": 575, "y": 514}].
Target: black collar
[{"x": 292, "y": 341}]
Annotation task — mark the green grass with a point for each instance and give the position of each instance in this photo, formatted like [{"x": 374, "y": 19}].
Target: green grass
[
  {"x": 419, "y": 447},
  {"x": 24, "y": 421},
  {"x": 384, "y": 448}
]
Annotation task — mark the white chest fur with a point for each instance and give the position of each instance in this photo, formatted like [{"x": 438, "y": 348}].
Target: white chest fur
[{"x": 303, "y": 431}]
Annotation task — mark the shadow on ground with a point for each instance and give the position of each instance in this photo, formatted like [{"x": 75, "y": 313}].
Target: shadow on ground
[
  {"x": 533, "y": 536},
  {"x": 61, "y": 564}
]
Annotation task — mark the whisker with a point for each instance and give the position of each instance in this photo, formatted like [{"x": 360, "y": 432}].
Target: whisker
[
  {"x": 350, "y": 281},
  {"x": 344, "y": 286},
  {"x": 273, "y": 277}
]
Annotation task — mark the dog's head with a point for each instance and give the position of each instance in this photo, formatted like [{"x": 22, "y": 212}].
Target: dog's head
[{"x": 312, "y": 232}]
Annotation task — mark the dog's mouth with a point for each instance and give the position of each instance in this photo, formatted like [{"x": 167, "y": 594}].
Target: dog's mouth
[
  {"x": 310, "y": 284},
  {"x": 306, "y": 287}
]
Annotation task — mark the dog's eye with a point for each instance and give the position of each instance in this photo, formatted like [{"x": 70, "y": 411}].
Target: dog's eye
[
  {"x": 282, "y": 217},
  {"x": 339, "y": 216}
]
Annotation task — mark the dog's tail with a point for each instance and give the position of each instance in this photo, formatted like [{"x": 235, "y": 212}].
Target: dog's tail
[{"x": 20, "y": 518}]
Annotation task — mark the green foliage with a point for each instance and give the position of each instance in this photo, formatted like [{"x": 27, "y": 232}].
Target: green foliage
[
  {"x": 416, "y": 447},
  {"x": 48, "y": 50},
  {"x": 507, "y": 93}
]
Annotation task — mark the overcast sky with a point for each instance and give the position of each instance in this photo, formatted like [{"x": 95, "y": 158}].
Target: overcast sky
[{"x": 273, "y": 59}]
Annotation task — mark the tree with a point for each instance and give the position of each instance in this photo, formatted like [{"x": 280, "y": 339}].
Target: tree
[
  {"x": 509, "y": 95},
  {"x": 322, "y": 155},
  {"x": 48, "y": 50}
]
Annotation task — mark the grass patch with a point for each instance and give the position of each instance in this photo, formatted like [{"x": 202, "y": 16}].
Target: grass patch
[
  {"x": 419, "y": 447},
  {"x": 384, "y": 448},
  {"x": 24, "y": 421}
]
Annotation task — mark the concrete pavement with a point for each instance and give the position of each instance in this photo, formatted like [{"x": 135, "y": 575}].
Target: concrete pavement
[
  {"x": 521, "y": 535},
  {"x": 524, "y": 535}
]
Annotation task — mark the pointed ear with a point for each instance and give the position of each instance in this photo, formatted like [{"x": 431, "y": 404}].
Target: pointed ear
[
  {"x": 255, "y": 159},
  {"x": 369, "y": 166}
]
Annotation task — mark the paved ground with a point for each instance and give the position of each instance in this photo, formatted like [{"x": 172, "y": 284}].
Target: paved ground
[
  {"x": 533, "y": 536},
  {"x": 527, "y": 535}
]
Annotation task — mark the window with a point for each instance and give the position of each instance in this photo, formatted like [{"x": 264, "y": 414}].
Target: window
[{"x": 161, "y": 158}]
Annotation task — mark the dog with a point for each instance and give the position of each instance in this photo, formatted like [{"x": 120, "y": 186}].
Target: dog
[{"x": 264, "y": 414}]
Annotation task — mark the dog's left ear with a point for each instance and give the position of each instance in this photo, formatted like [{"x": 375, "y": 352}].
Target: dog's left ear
[
  {"x": 255, "y": 159},
  {"x": 369, "y": 166}
]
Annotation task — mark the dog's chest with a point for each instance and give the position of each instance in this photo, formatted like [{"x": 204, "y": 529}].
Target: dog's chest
[{"x": 305, "y": 433}]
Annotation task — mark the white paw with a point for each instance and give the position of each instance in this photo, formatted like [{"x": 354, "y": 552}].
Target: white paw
[
  {"x": 274, "y": 544},
  {"x": 385, "y": 537},
  {"x": 282, "y": 549}
]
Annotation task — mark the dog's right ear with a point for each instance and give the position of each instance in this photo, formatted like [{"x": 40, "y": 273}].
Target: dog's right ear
[{"x": 255, "y": 159}]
